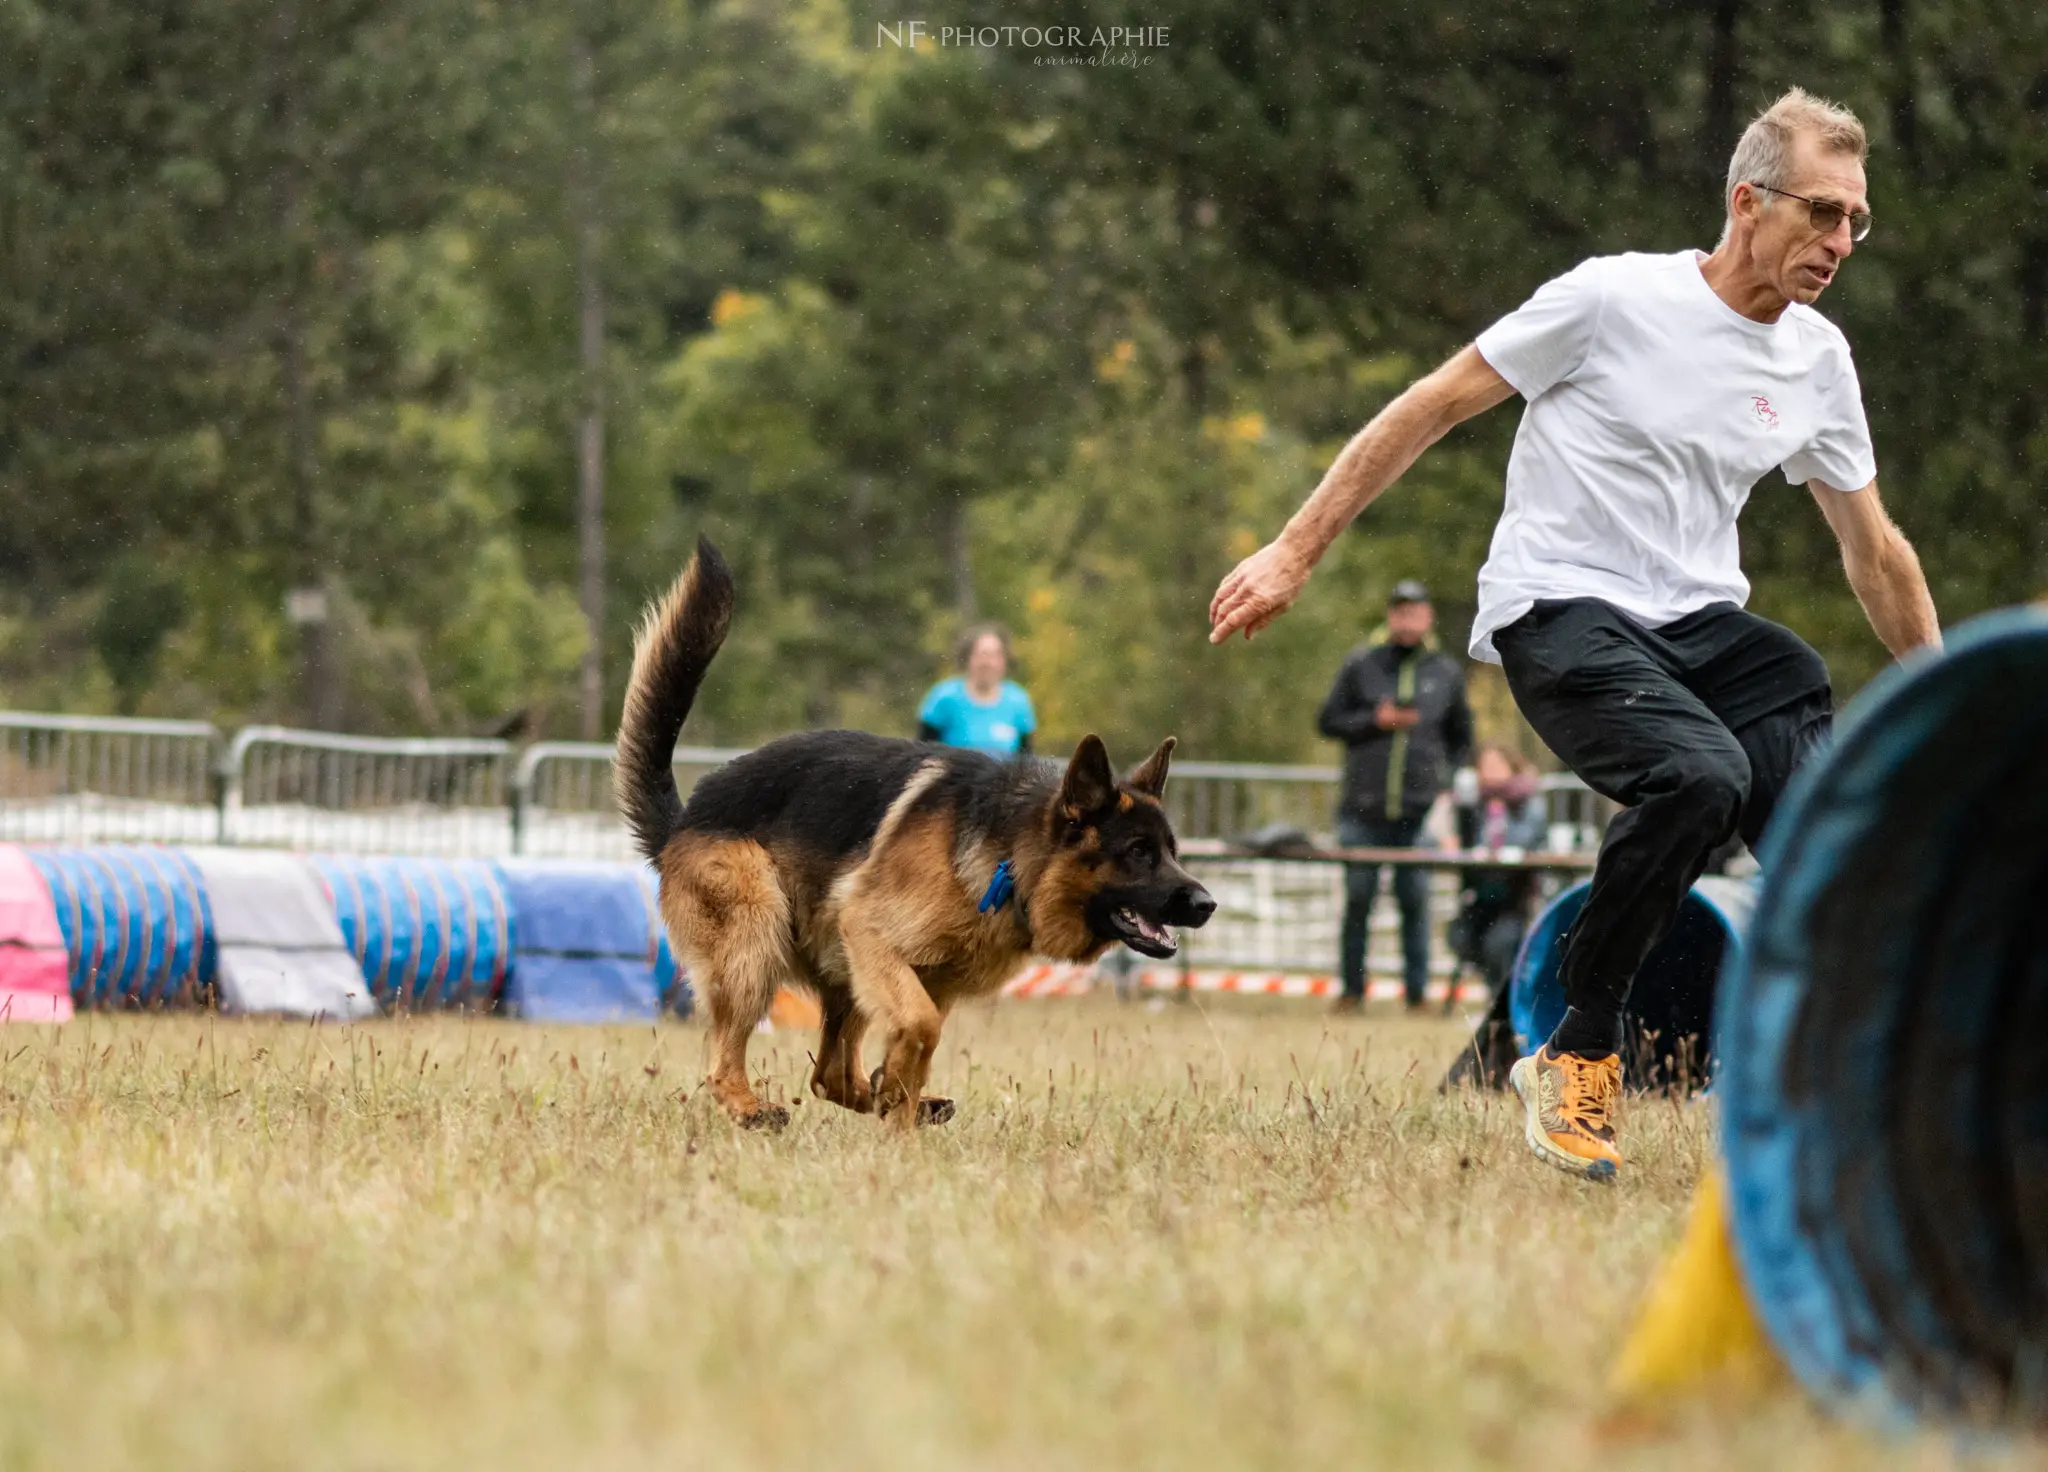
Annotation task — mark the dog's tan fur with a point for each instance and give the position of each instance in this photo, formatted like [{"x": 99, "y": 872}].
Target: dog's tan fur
[
  {"x": 886, "y": 927},
  {"x": 897, "y": 940}
]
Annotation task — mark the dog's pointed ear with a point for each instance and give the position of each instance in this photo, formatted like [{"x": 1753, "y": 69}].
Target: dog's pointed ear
[
  {"x": 1090, "y": 783},
  {"x": 1150, "y": 775}
]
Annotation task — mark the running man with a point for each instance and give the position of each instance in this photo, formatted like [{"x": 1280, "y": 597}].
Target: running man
[{"x": 1660, "y": 389}]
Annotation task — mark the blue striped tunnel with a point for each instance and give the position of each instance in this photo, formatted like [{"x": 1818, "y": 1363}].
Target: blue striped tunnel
[
  {"x": 1884, "y": 1045},
  {"x": 135, "y": 921},
  {"x": 428, "y": 933}
]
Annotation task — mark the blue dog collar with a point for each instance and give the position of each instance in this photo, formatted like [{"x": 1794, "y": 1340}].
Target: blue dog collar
[{"x": 1001, "y": 885}]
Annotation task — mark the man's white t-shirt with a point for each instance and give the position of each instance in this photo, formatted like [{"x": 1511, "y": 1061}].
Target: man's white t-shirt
[{"x": 1653, "y": 408}]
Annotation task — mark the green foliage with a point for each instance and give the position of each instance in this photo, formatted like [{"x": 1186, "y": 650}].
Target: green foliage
[
  {"x": 289, "y": 293},
  {"x": 142, "y": 605}
]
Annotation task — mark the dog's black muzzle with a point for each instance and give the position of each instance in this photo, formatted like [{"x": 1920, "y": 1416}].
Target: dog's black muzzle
[{"x": 1189, "y": 907}]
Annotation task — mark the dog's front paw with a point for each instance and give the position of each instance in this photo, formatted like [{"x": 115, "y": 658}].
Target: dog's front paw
[
  {"x": 883, "y": 1099},
  {"x": 887, "y": 1101}
]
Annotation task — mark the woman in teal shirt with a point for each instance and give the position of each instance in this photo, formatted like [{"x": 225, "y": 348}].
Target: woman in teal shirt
[{"x": 978, "y": 707}]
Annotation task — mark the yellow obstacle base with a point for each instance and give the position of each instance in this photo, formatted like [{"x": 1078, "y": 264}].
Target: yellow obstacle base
[{"x": 1697, "y": 1328}]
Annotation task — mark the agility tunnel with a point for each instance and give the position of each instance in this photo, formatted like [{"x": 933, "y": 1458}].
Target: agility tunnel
[
  {"x": 135, "y": 923},
  {"x": 278, "y": 945},
  {"x": 1883, "y": 1045},
  {"x": 589, "y": 943},
  {"x": 426, "y": 933},
  {"x": 262, "y": 930},
  {"x": 1670, "y": 1014},
  {"x": 1668, "y": 1024},
  {"x": 35, "y": 964}
]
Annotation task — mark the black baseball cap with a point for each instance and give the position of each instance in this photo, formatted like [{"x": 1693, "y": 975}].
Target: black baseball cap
[{"x": 1408, "y": 590}]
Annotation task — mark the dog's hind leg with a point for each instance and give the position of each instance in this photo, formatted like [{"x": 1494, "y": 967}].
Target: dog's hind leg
[
  {"x": 734, "y": 1016},
  {"x": 837, "y": 1076},
  {"x": 729, "y": 917}
]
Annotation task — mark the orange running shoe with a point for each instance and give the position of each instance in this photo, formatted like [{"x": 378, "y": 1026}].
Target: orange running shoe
[{"x": 1568, "y": 1102}]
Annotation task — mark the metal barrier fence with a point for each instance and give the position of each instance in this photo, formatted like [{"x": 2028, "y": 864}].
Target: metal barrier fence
[
  {"x": 71, "y": 779},
  {"x": 562, "y": 803},
  {"x": 1227, "y": 800},
  {"x": 363, "y": 794},
  {"x": 1285, "y": 914},
  {"x": 562, "y": 796},
  {"x": 1571, "y": 804},
  {"x": 83, "y": 779},
  {"x": 89, "y": 779}
]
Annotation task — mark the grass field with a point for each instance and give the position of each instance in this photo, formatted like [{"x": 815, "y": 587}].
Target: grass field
[{"x": 1176, "y": 1237}]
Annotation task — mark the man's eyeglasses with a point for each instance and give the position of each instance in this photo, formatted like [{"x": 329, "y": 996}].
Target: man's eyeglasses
[{"x": 1823, "y": 215}]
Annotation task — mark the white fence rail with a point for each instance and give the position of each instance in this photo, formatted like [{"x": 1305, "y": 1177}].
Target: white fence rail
[
  {"x": 1285, "y": 915},
  {"x": 91, "y": 779},
  {"x": 1229, "y": 800},
  {"x": 364, "y": 794},
  {"x": 562, "y": 797}
]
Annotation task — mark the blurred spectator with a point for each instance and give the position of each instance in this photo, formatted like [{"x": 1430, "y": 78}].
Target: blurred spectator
[
  {"x": 979, "y": 707},
  {"x": 1501, "y": 810},
  {"x": 1399, "y": 707}
]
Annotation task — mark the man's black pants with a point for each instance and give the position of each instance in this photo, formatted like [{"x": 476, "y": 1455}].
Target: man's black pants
[{"x": 1694, "y": 727}]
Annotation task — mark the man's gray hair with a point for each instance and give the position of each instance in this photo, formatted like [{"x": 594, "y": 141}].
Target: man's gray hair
[{"x": 1764, "y": 155}]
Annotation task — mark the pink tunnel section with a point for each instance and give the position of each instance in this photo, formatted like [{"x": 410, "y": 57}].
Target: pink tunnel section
[{"x": 35, "y": 971}]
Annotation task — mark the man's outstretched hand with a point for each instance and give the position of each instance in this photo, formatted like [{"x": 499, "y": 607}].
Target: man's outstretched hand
[{"x": 1258, "y": 590}]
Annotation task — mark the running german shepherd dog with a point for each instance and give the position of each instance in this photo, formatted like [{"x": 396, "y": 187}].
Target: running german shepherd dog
[{"x": 892, "y": 878}]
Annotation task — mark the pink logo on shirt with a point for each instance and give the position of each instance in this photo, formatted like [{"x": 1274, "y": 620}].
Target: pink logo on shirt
[{"x": 1765, "y": 414}]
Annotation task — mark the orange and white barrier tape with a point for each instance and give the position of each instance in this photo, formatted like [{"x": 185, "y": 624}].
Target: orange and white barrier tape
[
  {"x": 1060, "y": 979},
  {"x": 798, "y": 1011},
  {"x": 1051, "y": 979}
]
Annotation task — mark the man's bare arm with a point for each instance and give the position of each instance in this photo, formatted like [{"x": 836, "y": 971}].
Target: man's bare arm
[
  {"x": 1263, "y": 586},
  {"x": 1882, "y": 567}
]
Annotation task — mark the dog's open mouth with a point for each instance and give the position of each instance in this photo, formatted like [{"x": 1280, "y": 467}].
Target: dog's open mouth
[{"x": 1147, "y": 937}]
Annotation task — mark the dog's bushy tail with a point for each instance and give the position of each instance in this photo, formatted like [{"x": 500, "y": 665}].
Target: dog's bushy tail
[{"x": 673, "y": 648}]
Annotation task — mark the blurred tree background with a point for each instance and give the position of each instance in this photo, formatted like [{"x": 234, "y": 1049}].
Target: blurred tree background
[{"x": 358, "y": 359}]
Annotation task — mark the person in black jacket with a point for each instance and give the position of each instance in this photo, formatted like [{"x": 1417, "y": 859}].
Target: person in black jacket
[{"x": 1399, "y": 707}]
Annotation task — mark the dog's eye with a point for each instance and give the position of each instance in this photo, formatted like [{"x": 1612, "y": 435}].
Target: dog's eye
[{"x": 1139, "y": 853}]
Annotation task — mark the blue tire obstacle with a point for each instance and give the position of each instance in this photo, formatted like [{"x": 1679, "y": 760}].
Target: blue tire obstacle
[
  {"x": 1670, "y": 1008},
  {"x": 1883, "y": 1045},
  {"x": 1669, "y": 1021}
]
